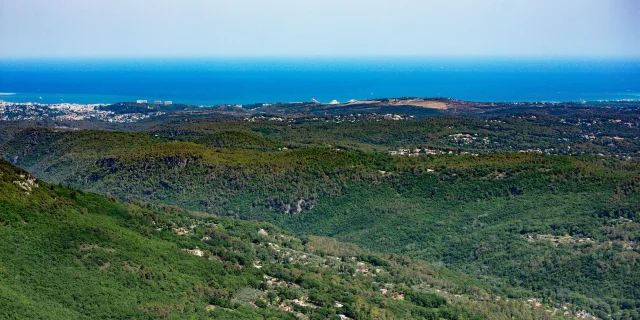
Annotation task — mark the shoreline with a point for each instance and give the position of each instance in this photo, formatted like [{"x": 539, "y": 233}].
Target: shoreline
[{"x": 352, "y": 102}]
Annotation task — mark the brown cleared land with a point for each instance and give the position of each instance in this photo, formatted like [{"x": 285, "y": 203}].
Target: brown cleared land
[{"x": 421, "y": 103}]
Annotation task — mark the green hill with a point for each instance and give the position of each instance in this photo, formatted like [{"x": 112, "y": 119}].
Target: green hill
[
  {"x": 559, "y": 229},
  {"x": 68, "y": 254},
  {"x": 237, "y": 139}
]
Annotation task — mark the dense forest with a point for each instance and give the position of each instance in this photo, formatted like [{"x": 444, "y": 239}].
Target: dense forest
[
  {"x": 527, "y": 207},
  {"x": 68, "y": 254}
]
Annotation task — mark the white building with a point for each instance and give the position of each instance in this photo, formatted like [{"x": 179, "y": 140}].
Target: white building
[
  {"x": 168, "y": 102},
  {"x": 141, "y": 101}
]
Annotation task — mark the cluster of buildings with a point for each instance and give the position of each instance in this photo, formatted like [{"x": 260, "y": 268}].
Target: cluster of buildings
[
  {"x": 264, "y": 118},
  {"x": 156, "y": 102},
  {"x": 15, "y": 111},
  {"x": 351, "y": 118},
  {"x": 338, "y": 118},
  {"x": 417, "y": 152},
  {"x": 11, "y": 111},
  {"x": 392, "y": 117},
  {"x": 465, "y": 138}
]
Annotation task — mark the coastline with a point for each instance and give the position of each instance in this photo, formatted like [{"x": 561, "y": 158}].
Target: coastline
[{"x": 101, "y": 99}]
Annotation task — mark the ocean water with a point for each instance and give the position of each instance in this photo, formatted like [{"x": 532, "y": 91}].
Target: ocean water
[{"x": 243, "y": 81}]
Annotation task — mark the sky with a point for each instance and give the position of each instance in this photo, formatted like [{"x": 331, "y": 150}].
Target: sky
[{"x": 316, "y": 28}]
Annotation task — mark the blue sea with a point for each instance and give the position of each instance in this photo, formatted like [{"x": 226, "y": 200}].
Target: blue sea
[{"x": 253, "y": 80}]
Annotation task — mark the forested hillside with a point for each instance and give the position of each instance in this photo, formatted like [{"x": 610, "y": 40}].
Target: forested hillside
[
  {"x": 560, "y": 229},
  {"x": 572, "y": 133},
  {"x": 68, "y": 254}
]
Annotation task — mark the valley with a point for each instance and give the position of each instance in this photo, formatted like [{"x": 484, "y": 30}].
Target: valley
[{"x": 526, "y": 203}]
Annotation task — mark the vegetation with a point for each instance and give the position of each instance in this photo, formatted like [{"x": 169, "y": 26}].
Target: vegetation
[
  {"x": 68, "y": 254},
  {"x": 237, "y": 139},
  {"x": 556, "y": 225}
]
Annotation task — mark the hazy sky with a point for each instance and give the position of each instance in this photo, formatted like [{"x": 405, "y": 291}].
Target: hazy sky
[{"x": 318, "y": 27}]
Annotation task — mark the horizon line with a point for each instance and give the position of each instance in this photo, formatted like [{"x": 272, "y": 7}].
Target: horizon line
[{"x": 323, "y": 57}]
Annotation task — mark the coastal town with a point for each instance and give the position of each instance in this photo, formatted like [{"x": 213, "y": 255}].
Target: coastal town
[{"x": 29, "y": 111}]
